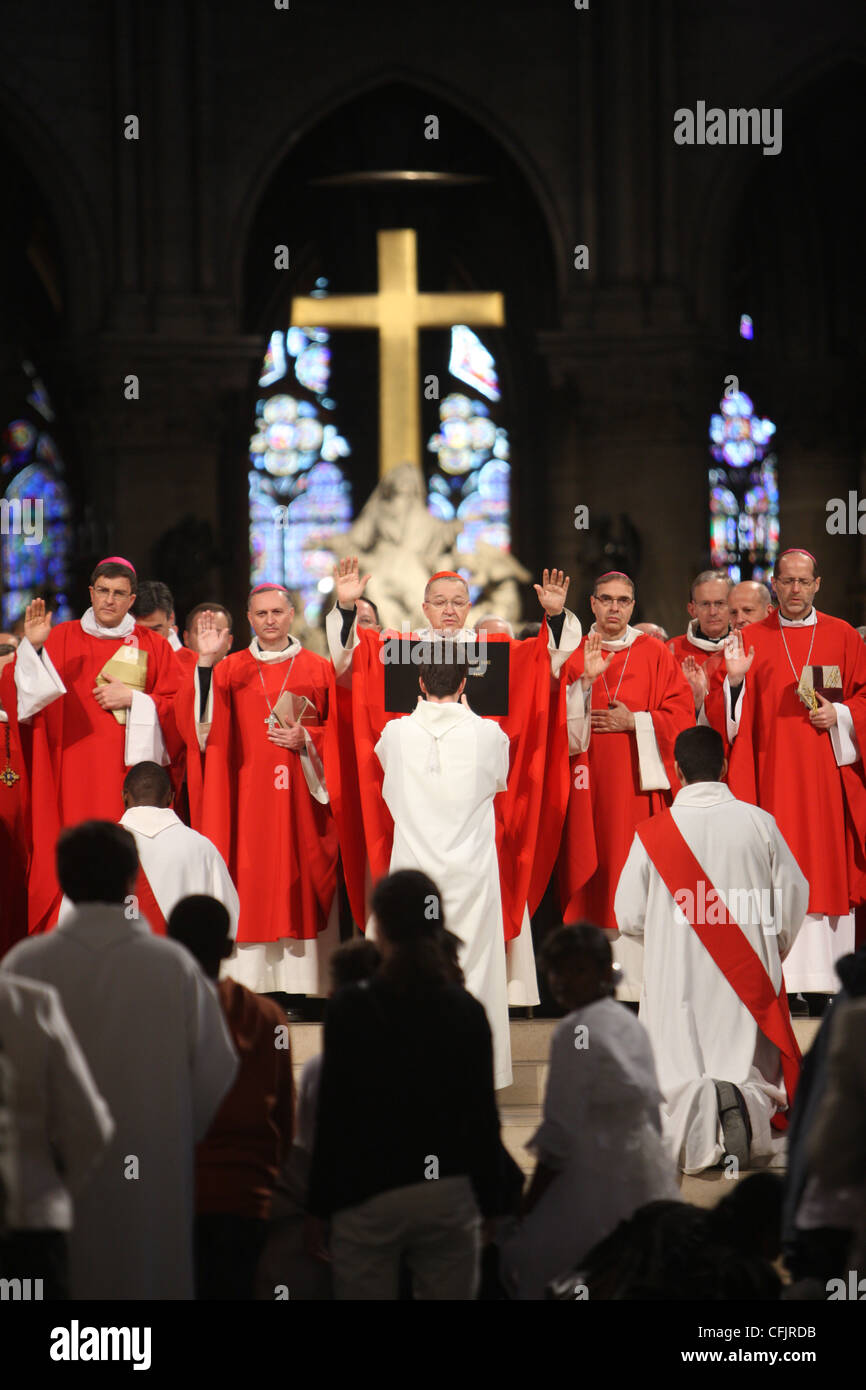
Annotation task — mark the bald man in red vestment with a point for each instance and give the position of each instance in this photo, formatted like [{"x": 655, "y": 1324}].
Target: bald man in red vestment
[{"x": 796, "y": 712}]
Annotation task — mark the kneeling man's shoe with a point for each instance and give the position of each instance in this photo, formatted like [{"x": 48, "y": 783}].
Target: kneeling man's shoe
[{"x": 736, "y": 1126}]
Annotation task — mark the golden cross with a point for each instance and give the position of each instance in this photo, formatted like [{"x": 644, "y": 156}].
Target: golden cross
[{"x": 398, "y": 311}]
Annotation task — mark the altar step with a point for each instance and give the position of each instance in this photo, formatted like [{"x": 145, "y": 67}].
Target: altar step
[{"x": 520, "y": 1103}]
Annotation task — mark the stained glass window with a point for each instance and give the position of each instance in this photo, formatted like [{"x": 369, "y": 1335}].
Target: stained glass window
[
  {"x": 299, "y": 495},
  {"x": 34, "y": 517},
  {"x": 744, "y": 492},
  {"x": 471, "y": 479}
]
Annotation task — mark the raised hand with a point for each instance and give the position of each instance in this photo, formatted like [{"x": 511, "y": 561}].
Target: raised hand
[
  {"x": 37, "y": 623},
  {"x": 825, "y": 716},
  {"x": 595, "y": 663},
  {"x": 293, "y": 737},
  {"x": 697, "y": 679},
  {"x": 736, "y": 661},
  {"x": 113, "y": 695},
  {"x": 348, "y": 584},
  {"x": 213, "y": 644},
  {"x": 552, "y": 591},
  {"x": 616, "y": 720}
]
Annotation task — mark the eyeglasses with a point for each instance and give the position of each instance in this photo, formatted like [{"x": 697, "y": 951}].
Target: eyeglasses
[
  {"x": 111, "y": 593},
  {"x": 440, "y": 603},
  {"x": 607, "y": 601},
  {"x": 789, "y": 583},
  {"x": 714, "y": 603}
]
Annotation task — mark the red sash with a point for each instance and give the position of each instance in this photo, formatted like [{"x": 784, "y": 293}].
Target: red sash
[
  {"x": 735, "y": 956},
  {"x": 147, "y": 904}
]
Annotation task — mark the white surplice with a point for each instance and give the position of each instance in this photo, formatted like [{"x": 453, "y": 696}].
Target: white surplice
[
  {"x": 701, "y": 1031},
  {"x": 601, "y": 1133},
  {"x": 151, "y": 1027},
  {"x": 443, "y": 767},
  {"x": 177, "y": 862}
]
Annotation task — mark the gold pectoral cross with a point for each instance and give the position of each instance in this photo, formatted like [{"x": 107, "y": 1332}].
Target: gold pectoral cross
[{"x": 9, "y": 776}]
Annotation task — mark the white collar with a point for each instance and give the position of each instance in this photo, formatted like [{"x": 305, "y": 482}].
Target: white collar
[
  {"x": 439, "y": 718},
  {"x": 800, "y": 622},
  {"x": 95, "y": 629},
  {"x": 706, "y": 644},
  {"x": 619, "y": 644},
  {"x": 149, "y": 820},
  {"x": 174, "y": 641},
  {"x": 291, "y": 650},
  {"x": 703, "y": 794}
]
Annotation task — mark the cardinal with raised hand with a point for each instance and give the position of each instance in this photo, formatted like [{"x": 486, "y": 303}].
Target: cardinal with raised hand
[{"x": 529, "y": 813}]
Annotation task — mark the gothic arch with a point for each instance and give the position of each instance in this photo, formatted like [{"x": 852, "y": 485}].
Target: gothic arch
[{"x": 288, "y": 141}]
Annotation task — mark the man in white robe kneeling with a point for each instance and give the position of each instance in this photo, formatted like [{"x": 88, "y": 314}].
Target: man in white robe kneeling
[
  {"x": 443, "y": 766},
  {"x": 718, "y": 897}
]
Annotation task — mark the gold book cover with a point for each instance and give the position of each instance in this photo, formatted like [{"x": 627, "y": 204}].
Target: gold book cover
[{"x": 128, "y": 664}]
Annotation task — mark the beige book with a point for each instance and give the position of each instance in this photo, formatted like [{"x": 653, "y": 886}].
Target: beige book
[
  {"x": 295, "y": 709},
  {"x": 128, "y": 664}
]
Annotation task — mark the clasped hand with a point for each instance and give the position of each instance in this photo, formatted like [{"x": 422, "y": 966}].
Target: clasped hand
[
  {"x": 292, "y": 738},
  {"x": 113, "y": 695},
  {"x": 616, "y": 720}
]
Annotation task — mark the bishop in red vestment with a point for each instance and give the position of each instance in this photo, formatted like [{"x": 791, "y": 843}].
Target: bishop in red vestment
[
  {"x": 804, "y": 765},
  {"x": 80, "y": 749},
  {"x": 627, "y": 700},
  {"x": 264, "y": 799}
]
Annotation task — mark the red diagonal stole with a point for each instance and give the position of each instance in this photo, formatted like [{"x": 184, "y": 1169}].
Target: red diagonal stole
[{"x": 732, "y": 952}]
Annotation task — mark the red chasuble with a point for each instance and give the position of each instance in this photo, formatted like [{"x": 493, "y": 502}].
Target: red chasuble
[
  {"x": 529, "y": 814},
  {"x": 713, "y": 662},
  {"x": 14, "y": 819},
  {"x": 78, "y": 748},
  {"x": 279, "y": 843},
  {"x": 781, "y": 763},
  {"x": 606, "y": 802}
]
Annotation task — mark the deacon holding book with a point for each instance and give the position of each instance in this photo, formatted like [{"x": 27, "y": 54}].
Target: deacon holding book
[
  {"x": 795, "y": 710},
  {"x": 443, "y": 766},
  {"x": 715, "y": 894},
  {"x": 529, "y": 813},
  {"x": 260, "y": 715},
  {"x": 98, "y": 694}
]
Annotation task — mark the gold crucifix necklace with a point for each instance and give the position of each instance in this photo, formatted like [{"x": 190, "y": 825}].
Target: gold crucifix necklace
[
  {"x": 788, "y": 654},
  {"x": 9, "y": 776},
  {"x": 270, "y": 718}
]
